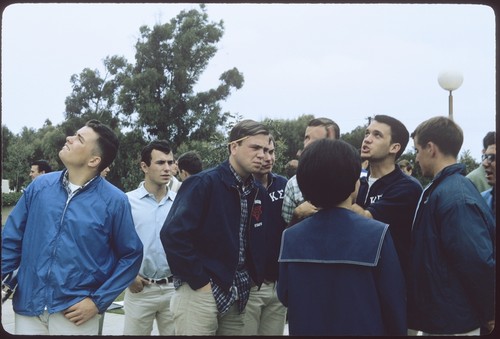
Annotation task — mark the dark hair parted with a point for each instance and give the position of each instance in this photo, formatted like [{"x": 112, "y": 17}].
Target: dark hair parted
[
  {"x": 327, "y": 123},
  {"x": 489, "y": 139},
  {"x": 244, "y": 129},
  {"x": 43, "y": 165},
  {"x": 159, "y": 145},
  {"x": 107, "y": 142},
  {"x": 399, "y": 132},
  {"x": 441, "y": 131},
  {"x": 328, "y": 171},
  {"x": 190, "y": 162}
]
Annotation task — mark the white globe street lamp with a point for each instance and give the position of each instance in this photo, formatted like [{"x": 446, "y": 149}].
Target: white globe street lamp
[{"x": 450, "y": 81}]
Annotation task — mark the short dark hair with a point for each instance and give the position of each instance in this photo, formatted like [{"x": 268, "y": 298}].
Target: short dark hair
[
  {"x": 489, "y": 139},
  {"x": 327, "y": 123},
  {"x": 107, "y": 142},
  {"x": 159, "y": 145},
  {"x": 328, "y": 171},
  {"x": 399, "y": 133},
  {"x": 190, "y": 162},
  {"x": 246, "y": 128},
  {"x": 443, "y": 132},
  {"x": 43, "y": 165}
]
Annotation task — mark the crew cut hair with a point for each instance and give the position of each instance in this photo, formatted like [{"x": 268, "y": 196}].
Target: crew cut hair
[{"x": 107, "y": 142}]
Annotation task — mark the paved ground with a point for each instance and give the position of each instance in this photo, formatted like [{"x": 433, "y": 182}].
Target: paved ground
[{"x": 112, "y": 324}]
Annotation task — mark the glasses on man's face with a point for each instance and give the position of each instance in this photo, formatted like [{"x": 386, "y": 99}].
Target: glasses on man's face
[{"x": 489, "y": 157}]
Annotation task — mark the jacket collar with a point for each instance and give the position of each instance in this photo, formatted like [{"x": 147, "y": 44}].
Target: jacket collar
[
  {"x": 229, "y": 177},
  {"x": 449, "y": 170}
]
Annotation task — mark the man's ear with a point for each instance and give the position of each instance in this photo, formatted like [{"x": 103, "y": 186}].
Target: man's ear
[
  {"x": 232, "y": 147},
  {"x": 94, "y": 161},
  {"x": 395, "y": 148},
  {"x": 432, "y": 148}
]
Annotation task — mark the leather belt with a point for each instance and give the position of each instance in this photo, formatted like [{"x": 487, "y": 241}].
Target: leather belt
[{"x": 160, "y": 281}]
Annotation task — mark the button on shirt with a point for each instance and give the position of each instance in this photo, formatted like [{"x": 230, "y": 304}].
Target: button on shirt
[{"x": 149, "y": 216}]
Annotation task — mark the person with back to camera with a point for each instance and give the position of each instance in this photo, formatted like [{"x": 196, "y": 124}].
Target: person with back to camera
[
  {"x": 339, "y": 273},
  {"x": 189, "y": 163},
  {"x": 72, "y": 238},
  {"x": 452, "y": 256}
]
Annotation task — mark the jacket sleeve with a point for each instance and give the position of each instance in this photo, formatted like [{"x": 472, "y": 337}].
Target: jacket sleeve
[
  {"x": 179, "y": 232},
  {"x": 469, "y": 247},
  {"x": 12, "y": 236},
  {"x": 128, "y": 249}
]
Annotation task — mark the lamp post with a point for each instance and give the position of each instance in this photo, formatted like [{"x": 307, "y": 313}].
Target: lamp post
[{"x": 450, "y": 81}]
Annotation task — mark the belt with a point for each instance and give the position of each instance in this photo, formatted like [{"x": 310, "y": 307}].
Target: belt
[{"x": 160, "y": 281}]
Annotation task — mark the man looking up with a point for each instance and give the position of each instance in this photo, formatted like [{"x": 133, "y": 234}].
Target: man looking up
[
  {"x": 386, "y": 193},
  {"x": 72, "y": 238}
]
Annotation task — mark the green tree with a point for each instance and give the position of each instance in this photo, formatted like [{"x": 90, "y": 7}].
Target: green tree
[
  {"x": 469, "y": 162},
  {"x": 355, "y": 137},
  {"x": 159, "y": 93},
  {"x": 94, "y": 97}
]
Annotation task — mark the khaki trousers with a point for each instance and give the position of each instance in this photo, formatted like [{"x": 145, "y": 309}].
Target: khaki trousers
[
  {"x": 54, "y": 324},
  {"x": 195, "y": 313},
  {"x": 143, "y": 308},
  {"x": 264, "y": 313}
]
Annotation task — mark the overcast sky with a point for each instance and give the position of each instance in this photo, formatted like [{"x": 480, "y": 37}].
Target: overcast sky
[{"x": 342, "y": 61}]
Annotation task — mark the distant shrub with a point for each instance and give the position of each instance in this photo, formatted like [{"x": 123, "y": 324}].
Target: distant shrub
[{"x": 10, "y": 199}]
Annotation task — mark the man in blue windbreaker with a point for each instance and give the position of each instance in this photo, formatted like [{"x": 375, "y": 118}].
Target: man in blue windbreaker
[
  {"x": 72, "y": 239},
  {"x": 452, "y": 254}
]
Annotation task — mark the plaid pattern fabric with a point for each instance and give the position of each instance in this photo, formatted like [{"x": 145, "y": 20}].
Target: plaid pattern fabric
[
  {"x": 66, "y": 185},
  {"x": 240, "y": 289},
  {"x": 293, "y": 198}
]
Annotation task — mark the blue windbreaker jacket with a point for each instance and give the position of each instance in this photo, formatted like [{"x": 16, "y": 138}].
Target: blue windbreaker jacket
[
  {"x": 452, "y": 268},
  {"x": 69, "y": 250}
]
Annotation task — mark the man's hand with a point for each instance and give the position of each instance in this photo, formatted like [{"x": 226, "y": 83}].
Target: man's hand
[
  {"x": 81, "y": 312},
  {"x": 138, "y": 284},
  {"x": 302, "y": 211}
]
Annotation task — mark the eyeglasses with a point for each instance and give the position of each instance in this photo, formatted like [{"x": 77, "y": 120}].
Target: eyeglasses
[{"x": 489, "y": 157}]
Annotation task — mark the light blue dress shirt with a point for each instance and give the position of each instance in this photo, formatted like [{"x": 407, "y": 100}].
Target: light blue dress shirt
[{"x": 149, "y": 216}]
